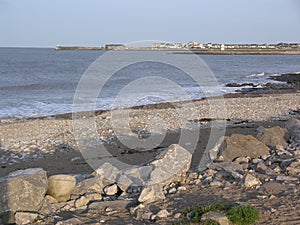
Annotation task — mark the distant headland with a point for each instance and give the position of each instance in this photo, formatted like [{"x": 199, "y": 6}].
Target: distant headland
[{"x": 200, "y": 48}]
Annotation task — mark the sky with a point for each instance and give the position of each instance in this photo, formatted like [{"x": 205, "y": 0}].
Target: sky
[{"x": 46, "y": 23}]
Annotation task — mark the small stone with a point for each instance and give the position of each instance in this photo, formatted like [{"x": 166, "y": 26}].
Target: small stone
[
  {"x": 173, "y": 190},
  {"x": 72, "y": 221},
  {"x": 215, "y": 216},
  {"x": 216, "y": 183},
  {"x": 177, "y": 215},
  {"x": 22, "y": 218},
  {"x": 181, "y": 188},
  {"x": 163, "y": 213},
  {"x": 111, "y": 190},
  {"x": 250, "y": 181},
  {"x": 151, "y": 194}
]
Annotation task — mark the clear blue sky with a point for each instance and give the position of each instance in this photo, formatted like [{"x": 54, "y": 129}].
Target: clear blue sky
[{"x": 45, "y": 23}]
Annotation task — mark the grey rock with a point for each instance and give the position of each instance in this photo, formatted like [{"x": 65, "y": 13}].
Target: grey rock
[
  {"x": 139, "y": 175},
  {"x": 94, "y": 184},
  {"x": 272, "y": 188},
  {"x": 23, "y": 190},
  {"x": 250, "y": 181},
  {"x": 22, "y": 218},
  {"x": 286, "y": 178},
  {"x": 72, "y": 221},
  {"x": 214, "y": 152},
  {"x": 294, "y": 168},
  {"x": 124, "y": 182},
  {"x": 273, "y": 136},
  {"x": 238, "y": 145},
  {"x": 152, "y": 193},
  {"x": 108, "y": 173},
  {"x": 114, "y": 205},
  {"x": 163, "y": 213},
  {"x": 111, "y": 189},
  {"x": 293, "y": 126},
  {"x": 61, "y": 186},
  {"x": 216, "y": 216},
  {"x": 171, "y": 165}
]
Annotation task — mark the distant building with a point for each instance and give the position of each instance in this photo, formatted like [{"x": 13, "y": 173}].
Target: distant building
[{"x": 115, "y": 47}]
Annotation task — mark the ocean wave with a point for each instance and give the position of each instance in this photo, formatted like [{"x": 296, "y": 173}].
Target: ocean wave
[{"x": 256, "y": 75}]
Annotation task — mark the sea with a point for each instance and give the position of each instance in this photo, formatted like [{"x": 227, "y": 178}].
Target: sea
[{"x": 38, "y": 82}]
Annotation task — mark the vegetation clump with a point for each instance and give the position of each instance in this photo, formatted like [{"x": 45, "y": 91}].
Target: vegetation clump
[
  {"x": 243, "y": 215},
  {"x": 240, "y": 215}
]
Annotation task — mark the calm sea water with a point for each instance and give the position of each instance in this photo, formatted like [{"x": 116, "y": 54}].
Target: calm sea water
[{"x": 38, "y": 82}]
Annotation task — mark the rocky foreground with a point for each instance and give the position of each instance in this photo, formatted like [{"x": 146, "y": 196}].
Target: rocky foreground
[{"x": 262, "y": 170}]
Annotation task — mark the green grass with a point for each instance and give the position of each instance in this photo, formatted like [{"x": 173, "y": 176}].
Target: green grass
[
  {"x": 240, "y": 215},
  {"x": 243, "y": 215}
]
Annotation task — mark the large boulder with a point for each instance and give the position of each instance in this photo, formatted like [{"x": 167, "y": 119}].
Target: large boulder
[
  {"x": 238, "y": 145},
  {"x": 61, "y": 186},
  {"x": 170, "y": 166},
  {"x": 275, "y": 136},
  {"x": 23, "y": 190}
]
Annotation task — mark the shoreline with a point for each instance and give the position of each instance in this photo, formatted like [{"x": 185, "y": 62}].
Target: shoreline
[{"x": 290, "y": 83}]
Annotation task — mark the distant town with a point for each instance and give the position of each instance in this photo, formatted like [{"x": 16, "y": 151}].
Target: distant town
[{"x": 209, "y": 48}]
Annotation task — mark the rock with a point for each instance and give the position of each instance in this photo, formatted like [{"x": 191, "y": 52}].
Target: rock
[
  {"x": 250, "y": 181},
  {"x": 273, "y": 136},
  {"x": 94, "y": 184},
  {"x": 139, "y": 175},
  {"x": 286, "y": 178},
  {"x": 294, "y": 168},
  {"x": 215, "y": 216},
  {"x": 114, "y": 205},
  {"x": 163, "y": 213},
  {"x": 293, "y": 126},
  {"x": 23, "y": 190},
  {"x": 214, "y": 152},
  {"x": 111, "y": 190},
  {"x": 272, "y": 188},
  {"x": 22, "y": 218},
  {"x": 263, "y": 169},
  {"x": 108, "y": 173},
  {"x": 238, "y": 145},
  {"x": 152, "y": 193},
  {"x": 124, "y": 182},
  {"x": 171, "y": 165},
  {"x": 72, "y": 221},
  {"x": 61, "y": 186},
  {"x": 85, "y": 199}
]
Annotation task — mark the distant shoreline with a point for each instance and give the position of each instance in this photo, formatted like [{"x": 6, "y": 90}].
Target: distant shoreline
[{"x": 189, "y": 51}]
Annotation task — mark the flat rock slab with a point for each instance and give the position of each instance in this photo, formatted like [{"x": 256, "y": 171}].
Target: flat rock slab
[{"x": 238, "y": 145}]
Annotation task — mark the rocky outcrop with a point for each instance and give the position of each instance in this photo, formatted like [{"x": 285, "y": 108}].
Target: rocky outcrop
[
  {"x": 23, "y": 190},
  {"x": 275, "y": 136},
  {"x": 238, "y": 145},
  {"x": 61, "y": 186}
]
